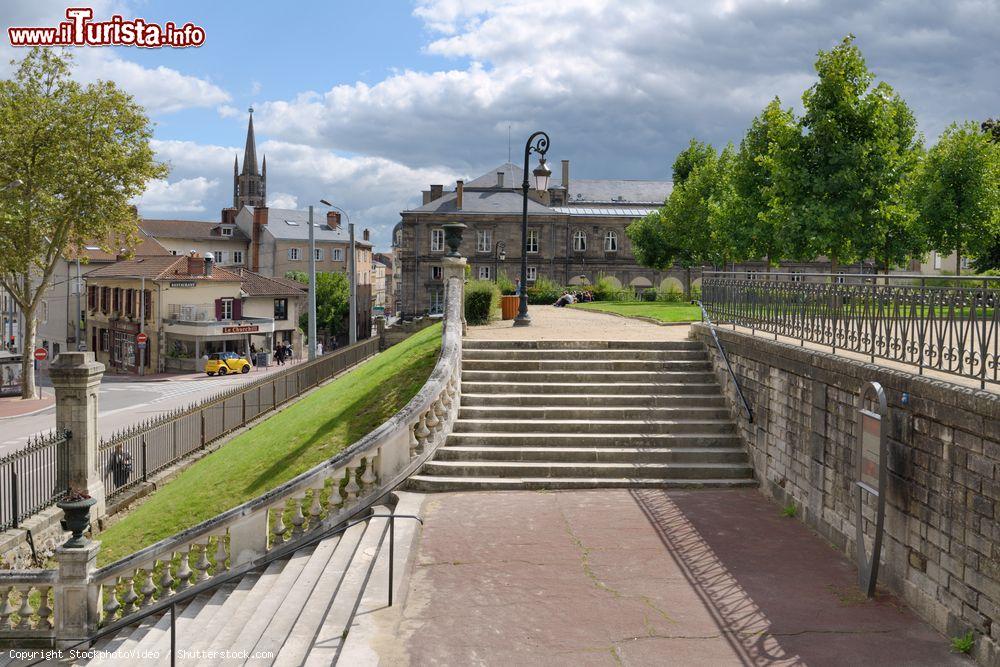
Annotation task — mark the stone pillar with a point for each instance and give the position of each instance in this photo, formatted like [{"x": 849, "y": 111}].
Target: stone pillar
[
  {"x": 454, "y": 267},
  {"x": 76, "y": 378},
  {"x": 77, "y": 603}
]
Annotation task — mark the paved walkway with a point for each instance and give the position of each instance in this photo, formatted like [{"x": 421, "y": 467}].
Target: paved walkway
[
  {"x": 640, "y": 578},
  {"x": 551, "y": 323}
]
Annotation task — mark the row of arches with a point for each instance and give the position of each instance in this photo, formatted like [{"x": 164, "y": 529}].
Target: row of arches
[{"x": 668, "y": 284}]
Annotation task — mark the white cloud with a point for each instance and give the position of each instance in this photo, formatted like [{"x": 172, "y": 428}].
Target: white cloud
[
  {"x": 282, "y": 200},
  {"x": 187, "y": 194},
  {"x": 228, "y": 111}
]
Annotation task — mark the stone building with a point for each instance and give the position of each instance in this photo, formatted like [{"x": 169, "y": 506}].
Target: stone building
[
  {"x": 224, "y": 242},
  {"x": 576, "y": 233}
]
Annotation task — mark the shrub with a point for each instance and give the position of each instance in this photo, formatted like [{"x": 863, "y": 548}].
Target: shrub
[
  {"x": 605, "y": 289},
  {"x": 482, "y": 302},
  {"x": 671, "y": 295},
  {"x": 544, "y": 291},
  {"x": 505, "y": 284}
]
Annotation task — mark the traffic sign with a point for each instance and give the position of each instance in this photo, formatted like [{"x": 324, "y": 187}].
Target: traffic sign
[
  {"x": 141, "y": 338},
  {"x": 41, "y": 353}
]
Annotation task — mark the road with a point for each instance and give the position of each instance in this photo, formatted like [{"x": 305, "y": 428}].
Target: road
[{"x": 121, "y": 403}]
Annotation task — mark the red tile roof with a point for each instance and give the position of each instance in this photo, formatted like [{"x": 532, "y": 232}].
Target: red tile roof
[{"x": 161, "y": 268}]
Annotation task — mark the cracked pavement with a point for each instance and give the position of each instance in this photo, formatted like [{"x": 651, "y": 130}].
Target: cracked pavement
[{"x": 618, "y": 577}]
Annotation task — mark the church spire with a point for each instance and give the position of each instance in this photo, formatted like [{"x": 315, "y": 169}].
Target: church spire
[
  {"x": 250, "y": 153},
  {"x": 250, "y": 187}
]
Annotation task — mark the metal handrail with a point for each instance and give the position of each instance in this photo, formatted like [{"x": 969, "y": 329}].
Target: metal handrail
[
  {"x": 238, "y": 573},
  {"x": 725, "y": 358},
  {"x": 762, "y": 276}
]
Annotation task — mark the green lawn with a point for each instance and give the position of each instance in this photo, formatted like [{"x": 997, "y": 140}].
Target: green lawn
[
  {"x": 662, "y": 311},
  {"x": 280, "y": 447}
]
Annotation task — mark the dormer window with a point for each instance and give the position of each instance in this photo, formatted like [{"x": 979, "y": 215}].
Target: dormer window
[{"x": 227, "y": 231}]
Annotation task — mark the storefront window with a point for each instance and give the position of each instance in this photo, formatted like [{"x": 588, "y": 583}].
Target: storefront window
[{"x": 281, "y": 309}]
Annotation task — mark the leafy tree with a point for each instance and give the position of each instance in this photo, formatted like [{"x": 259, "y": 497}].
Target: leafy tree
[
  {"x": 333, "y": 301},
  {"x": 989, "y": 259},
  {"x": 82, "y": 155},
  {"x": 992, "y": 127},
  {"x": 748, "y": 219},
  {"x": 957, "y": 193},
  {"x": 695, "y": 154},
  {"x": 841, "y": 186}
]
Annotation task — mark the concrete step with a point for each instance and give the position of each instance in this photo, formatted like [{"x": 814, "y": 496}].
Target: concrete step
[
  {"x": 189, "y": 623},
  {"x": 313, "y": 612},
  {"x": 336, "y": 622},
  {"x": 548, "y": 469},
  {"x": 587, "y": 365},
  {"x": 595, "y": 400},
  {"x": 594, "y": 454},
  {"x": 605, "y": 377},
  {"x": 201, "y": 641},
  {"x": 614, "y": 426},
  {"x": 432, "y": 483},
  {"x": 581, "y": 354},
  {"x": 657, "y": 387},
  {"x": 479, "y": 344},
  {"x": 693, "y": 439},
  {"x": 592, "y": 413}
]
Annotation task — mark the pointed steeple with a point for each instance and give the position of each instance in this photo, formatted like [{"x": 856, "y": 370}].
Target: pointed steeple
[{"x": 250, "y": 152}]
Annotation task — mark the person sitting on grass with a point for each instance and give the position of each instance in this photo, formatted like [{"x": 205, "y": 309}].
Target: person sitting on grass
[{"x": 564, "y": 300}]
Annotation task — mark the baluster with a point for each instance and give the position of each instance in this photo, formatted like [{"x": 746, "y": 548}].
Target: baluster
[
  {"x": 279, "y": 529},
  {"x": 351, "y": 488},
  {"x": 25, "y": 612},
  {"x": 184, "y": 572},
  {"x": 44, "y": 610},
  {"x": 6, "y": 609},
  {"x": 201, "y": 567},
  {"x": 336, "y": 500},
  {"x": 220, "y": 554},
  {"x": 439, "y": 409},
  {"x": 414, "y": 443},
  {"x": 111, "y": 604},
  {"x": 368, "y": 477},
  {"x": 423, "y": 433},
  {"x": 148, "y": 590},
  {"x": 131, "y": 597},
  {"x": 430, "y": 419},
  {"x": 315, "y": 508},
  {"x": 298, "y": 519},
  {"x": 166, "y": 579}
]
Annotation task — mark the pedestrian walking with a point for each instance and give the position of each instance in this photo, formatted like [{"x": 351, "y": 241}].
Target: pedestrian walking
[{"x": 121, "y": 466}]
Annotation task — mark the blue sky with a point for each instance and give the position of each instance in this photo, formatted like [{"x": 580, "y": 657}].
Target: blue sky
[{"x": 368, "y": 103}]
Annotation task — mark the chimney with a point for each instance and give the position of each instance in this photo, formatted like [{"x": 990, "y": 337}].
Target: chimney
[
  {"x": 229, "y": 216},
  {"x": 427, "y": 196},
  {"x": 208, "y": 265},
  {"x": 259, "y": 222},
  {"x": 459, "y": 192},
  {"x": 333, "y": 220},
  {"x": 565, "y": 183},
  {"x": 436, "y": 192},
  {"x": 499, "y": 179},
  {"x": 195, "y": 264},
  {"x": 367, "y": 234}
]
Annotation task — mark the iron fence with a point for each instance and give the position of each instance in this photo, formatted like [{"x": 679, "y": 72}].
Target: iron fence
[
  {"x": 32, "y": 478},
  {"x": 947, "y": 324},
  {"x": 133, "y": 455}
]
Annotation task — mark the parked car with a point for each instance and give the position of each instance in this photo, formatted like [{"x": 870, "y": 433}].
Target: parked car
[{"x": 224, "y": 363}]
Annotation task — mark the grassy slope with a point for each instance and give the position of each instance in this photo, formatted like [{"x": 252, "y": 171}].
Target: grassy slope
[
  {"x": 275, "y": 450},
  {"x": 664, "y": 312}
]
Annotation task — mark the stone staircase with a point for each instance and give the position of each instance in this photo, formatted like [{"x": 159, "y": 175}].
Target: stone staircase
[
  {"x": 587, "y": 414},
  {"x": 296, "y": 610}
]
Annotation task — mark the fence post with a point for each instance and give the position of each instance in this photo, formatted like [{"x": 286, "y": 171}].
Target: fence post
[
  {"x": 144, "y": 458},
  {"x": 15, "y": 508},
  {"x": 243, "y": 403},
  {"x": 201, "y": 414},
  {"x": 76, "y": 378}
]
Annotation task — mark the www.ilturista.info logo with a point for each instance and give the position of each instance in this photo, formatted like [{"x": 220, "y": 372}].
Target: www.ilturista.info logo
[{"x": 80, "y": 30}]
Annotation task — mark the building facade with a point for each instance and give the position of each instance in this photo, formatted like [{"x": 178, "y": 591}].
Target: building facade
[
  {"x": 576, "y": 234},
  {"x": 224, "y": 242}
]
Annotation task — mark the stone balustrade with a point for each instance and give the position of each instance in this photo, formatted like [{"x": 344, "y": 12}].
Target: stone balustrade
[{"x": 236, "y": 541}]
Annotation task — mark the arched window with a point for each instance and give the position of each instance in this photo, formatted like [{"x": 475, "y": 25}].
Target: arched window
[
  {"x": 579, "y": 241},
  {"x": 611, "y": 242}
]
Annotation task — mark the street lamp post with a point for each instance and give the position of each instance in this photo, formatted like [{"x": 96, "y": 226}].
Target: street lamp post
[
  {"x": 352, "y": 277},
  {"x": 499, "y": 255},
  {"x": 537, "y": 143},
  {"x": 312, "y": 286}
]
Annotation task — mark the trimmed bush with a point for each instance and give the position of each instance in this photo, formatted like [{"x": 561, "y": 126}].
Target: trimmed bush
[
  {"x": 544, "y": 291},
  {"x": 482, "y": 302},
  {"x": 605, "y": 289},
  {"x": 505, "y": 284}
]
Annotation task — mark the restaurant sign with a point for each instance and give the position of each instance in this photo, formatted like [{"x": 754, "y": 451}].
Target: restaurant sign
[
  {"x": 247, "y": 328},
  {"x": 183, "y": 283}
]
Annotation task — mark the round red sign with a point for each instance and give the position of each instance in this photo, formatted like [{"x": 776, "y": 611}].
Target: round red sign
[
  {"x": 141, "y": 338},
  {"x": 41, "y": 353}
]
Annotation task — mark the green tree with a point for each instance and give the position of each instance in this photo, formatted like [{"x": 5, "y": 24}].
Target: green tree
[
  {"x": 695, "y": 154},
  {"x": 82, "y": 155},
  {"x": 989, "y": 259},
  {"x": 333, "y": 302},
  {"x": 748, "y": 217},
  {"x": 957, "y": 192},
  {"x": 841, "y": 186},
  {"x": 992, "y": 127}
]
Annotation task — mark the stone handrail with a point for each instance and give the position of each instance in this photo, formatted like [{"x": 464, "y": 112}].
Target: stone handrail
[{"x": 235, "y": 540}]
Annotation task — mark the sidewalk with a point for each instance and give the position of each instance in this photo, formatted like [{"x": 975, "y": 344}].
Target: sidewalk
[
  {"x": 14, "y": 406},
  {"x": 551, "y": 323},
  {"x": 613, "y": 577},
  {"x": 256, "y": 372}
]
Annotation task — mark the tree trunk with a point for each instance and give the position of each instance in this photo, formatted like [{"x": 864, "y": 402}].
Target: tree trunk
[
  {"x": 687, "y": 287},
  {"x": 28, "y": 354},
  {"x": 958, "y": 262}
]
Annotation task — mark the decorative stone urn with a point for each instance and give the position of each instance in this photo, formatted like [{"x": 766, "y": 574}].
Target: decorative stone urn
[
  {"x": 77, "y": 519},
  {"x": 453, "y": 236}
]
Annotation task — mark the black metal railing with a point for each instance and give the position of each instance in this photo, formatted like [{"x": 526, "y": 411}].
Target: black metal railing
[
  {"x": 132, "y": 456},
  {"x": 947, "y": 324},
  {"x": 725, "y": 359},
  {"x": 32, "y": 478}
]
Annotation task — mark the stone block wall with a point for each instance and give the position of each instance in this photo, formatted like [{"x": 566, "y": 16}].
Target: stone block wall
[{"x": 941, "y": 550}]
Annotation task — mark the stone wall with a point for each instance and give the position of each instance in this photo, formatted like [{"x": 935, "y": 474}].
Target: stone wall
[{"x": 942, "y": 536}]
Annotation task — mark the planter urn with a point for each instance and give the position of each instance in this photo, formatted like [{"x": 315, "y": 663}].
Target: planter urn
[
  {"x": 77, "y": 520},
  {"x": 453, "y": 237}
]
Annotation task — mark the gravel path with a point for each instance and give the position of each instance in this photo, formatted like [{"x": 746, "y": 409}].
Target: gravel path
[{"x": 551, "y": 323}]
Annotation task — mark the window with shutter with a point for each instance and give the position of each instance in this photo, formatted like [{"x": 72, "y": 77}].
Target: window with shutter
[
  {"x": 237, "y": 309},
  {"x": 218, "y": 309},
  {"x": 147, "y": 305}
]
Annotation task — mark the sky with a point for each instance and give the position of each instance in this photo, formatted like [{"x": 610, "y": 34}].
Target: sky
[{"x": 365, "y": 104}]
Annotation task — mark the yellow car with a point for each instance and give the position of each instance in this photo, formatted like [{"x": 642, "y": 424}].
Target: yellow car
[{"x": 224, "y": 363}]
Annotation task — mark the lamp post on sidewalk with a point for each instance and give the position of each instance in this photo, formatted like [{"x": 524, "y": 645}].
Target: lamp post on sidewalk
[
  {"x": 352, "y": 277},
  {"x": 537, "y": 143}
]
